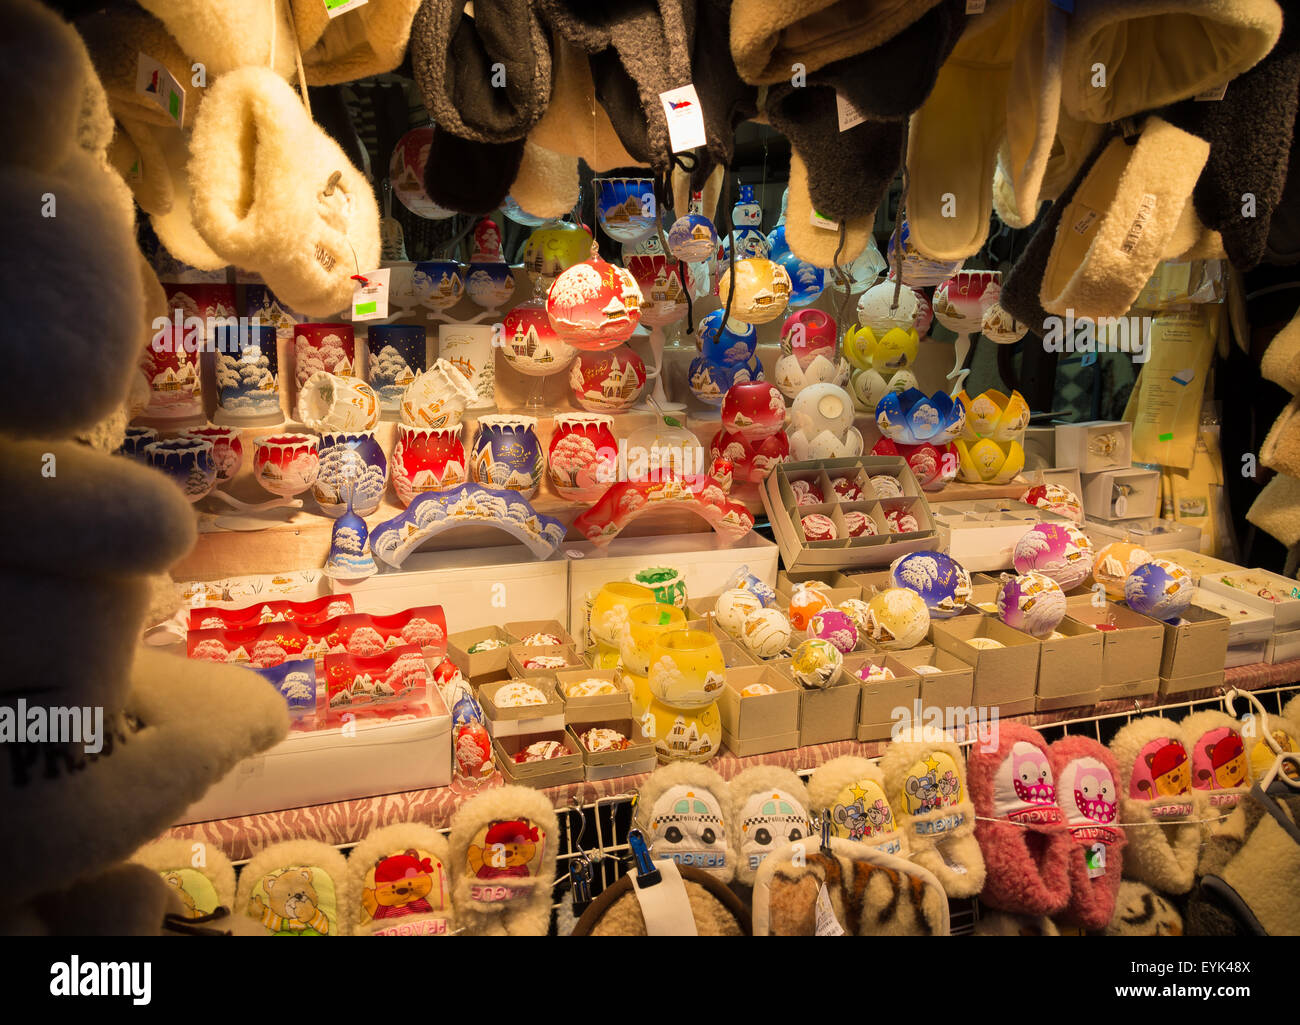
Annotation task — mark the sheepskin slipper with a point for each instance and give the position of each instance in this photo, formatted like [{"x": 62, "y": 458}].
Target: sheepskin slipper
[
  {"x": 1074, "y": 141},
  {"x": 852, "y": 791},
  {"x": 685, "y": 811},
  {"x": 502, "y": 852},
  {"x": 1277, "y": 509},
  {"x": 926, "y": 783},
  {"x": 1020, "y": 828},
  {"x": 398, "y": 883},
  {"x": 1119, "y": 221},
  {"x": 116, "y": 40},
  {"x": 273, "y": 193},
  {"x": 1141, "y": 911},
  {"x": 367, "y": 40},
  {"x": 485, "y": 78},
  {"x": 183, "y": 726},
  {"x": 1221, "y": 778},
  {"x": 230, "y": 34},
  {"x": 771, "y": 806},
  {"x": 546, "y": 184},
  {"x": 473, "y": 177},
  {"x": 1156, "y": 804},
  {"x": 1157, "y": 52},
  {"x": 175, "y": 226},
  {"x": 688, "y": 902},
  {"x": 295, "y": 888},
  {"x": 86, "y": 249},
  {"x": 1087, "y": 784},
  {"x": 1281, "y": 362},
  {"x": 200, "y": 874},
  {"x": 871, "y": 893},
  {"x": 1281, "y": 448}
]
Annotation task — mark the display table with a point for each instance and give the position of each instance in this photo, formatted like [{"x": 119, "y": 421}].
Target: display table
[{"x": 347, "y": 822}]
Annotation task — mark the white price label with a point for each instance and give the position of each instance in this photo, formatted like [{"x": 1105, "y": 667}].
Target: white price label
[
  {"x": 827, "y": 923},
  {"x": 156, "y": 82},
  {"x": 849, "y": 116},
  {"x": 685, "y": 119},
  {"x": 370, "y": 298}
]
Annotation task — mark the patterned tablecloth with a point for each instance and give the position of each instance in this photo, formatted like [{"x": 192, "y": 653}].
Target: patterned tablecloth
[{"x": 349, "y": 821}]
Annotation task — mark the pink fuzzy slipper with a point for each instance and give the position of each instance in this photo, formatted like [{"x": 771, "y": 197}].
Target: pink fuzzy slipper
[
  {"x": 1087, "y": 788},
  {"x": 1020, "y": 827}
]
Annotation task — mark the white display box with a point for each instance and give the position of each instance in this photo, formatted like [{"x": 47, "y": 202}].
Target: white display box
[
  {"x": 1141, "y": 503},
  {"x": 326, "y": 766},
  {"x": 476, "y": 587},
  {"x": 1283, "y": 646},
  {"x": 982, "y": 535},
  {"x": 1245, "y": 586},
  {"x": 705, "y": 565},
  {"x": 1154, "y": 535},
  {"x": 1074, "y": 445}
]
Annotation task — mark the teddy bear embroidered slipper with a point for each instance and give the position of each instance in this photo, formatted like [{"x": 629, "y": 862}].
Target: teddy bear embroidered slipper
[
  {"x": 852, "y": 790},
  {"x": 685, "y": 812},
  {"x": 1220, "y": 779},
  {"x": 502, "y": 852},
  {"x": 1020, "y": 828},
  {"x": 1087, "y": 782},
  {"x": 294, "y": 889},
  {"x": 926, "y": 785},
  {"x": 200, "y": 875},
  {"x": 398, "y": 883},
  {"x": 1156, "y": 804},
  {"x": 771, "y": 809}
]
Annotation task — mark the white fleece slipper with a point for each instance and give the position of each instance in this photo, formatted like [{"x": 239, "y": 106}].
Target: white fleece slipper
[
  {"x": 295, "y": 889},
  {"x": 200, "y": 874},
  {"x": 771, "y": 806},
  {"x": 1156, "y": 804},
  {"x": 686, "y": 813},
  {"x": 852, "y": 789},
  {"x": 1115, "y": 229},
  {"x": 274, "y": 194},
  {"x": 502, "y": 851},
  {"x": 398, "y": 883}
]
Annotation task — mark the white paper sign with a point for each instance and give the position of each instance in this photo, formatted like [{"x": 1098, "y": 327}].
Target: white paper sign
[
  {"x": 156, "y": 82},
  {"x": 685, "y": 119},
  {"x": 370, "y": 301}
]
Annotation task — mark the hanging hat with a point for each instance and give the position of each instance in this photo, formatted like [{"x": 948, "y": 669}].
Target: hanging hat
[
  {"x": 367, "y": 40},
  {"x": 231, "y": 34},
  {"x": 117, "y": 40},
  {"x": 575, "y": 124},
  {"x": 312, "y": 222},
  {"x": 1284, "y": 230}
]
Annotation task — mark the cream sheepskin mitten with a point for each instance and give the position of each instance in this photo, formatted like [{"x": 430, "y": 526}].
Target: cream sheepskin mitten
[
  {"x": 1281, "y": 448},
  {"x": 1156, "y": 804},
  {"x": 703, "y": 907},
  {"x": 398, "y": 883},
  {"x": 871, "y": 893},
  {"x": 295, "y": 889},
  {"x": 200, "y": 874},
  {"x": 502, "y": 851},
  {"x": 771, "y": 808},
  {"x": 1116, "y": 227},
  {"x": 1141, "y": 911},
  {"x": 686, "y": 813},
  {"x": 1157, "y": 52},
  {"x": 925, "y": 781},
  {"x": 231, "y": 34},
  {"x": 273, "y": 193},
  {"x": 852, "y": 790},
  {"x": 1220, "y": 780},
  {"x": 365, "y": 41}
]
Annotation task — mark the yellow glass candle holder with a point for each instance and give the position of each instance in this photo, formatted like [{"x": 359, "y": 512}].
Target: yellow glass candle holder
[
  {"x": 610, "y": 610},
  {"x": 605, "y": 657},
  {"x": 645, "y": 624},
  {"x": 686, "y": 668},
  {"x": 678, "y": 734}
]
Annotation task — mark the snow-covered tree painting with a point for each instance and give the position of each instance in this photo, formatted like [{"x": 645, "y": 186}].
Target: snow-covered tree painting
[{"x": 246, "y": 382}]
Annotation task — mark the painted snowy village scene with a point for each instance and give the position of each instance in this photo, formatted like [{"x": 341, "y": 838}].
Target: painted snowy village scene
[
  {"x": 390, "y": 374},
  {"x": 330, "y": 355},
  {"x": 246, "y": 379},
  {"x": 607, "y": 385}
]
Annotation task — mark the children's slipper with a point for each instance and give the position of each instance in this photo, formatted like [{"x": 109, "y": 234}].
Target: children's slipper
[
  {"x": 1087, "y": 784},
  {"x": 926, "y": 785},
  {"x": 686, "y": 902},
  {"x": 294, "y": 888},
  {"x": 1156, "y": 804},
  {"x": 273, "y": 193},
  {"x": 771, "y": 809},
  {"x": 398, "y": 883},
  {"x": 1285, "y": 732},
  {"x": 1220, "y": 780},
  {"x": 686, "y": 813},
  {"x": 502, "y": 852},
  {"x": 200, "y": 874},
  {"x": 367, "y": 40},
  {"x": 1141, "y": 911},
  {"x": 853, "y": 889},
  {"x": 852, "y": 790},
  {"x": 1021, "y": 829},
  {"x": 1115, "y": 228},
  {"x": 1281, "y": 448}
]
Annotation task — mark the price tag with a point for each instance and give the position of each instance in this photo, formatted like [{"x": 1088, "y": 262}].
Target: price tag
[
  {"x": 827, "y": 923},
  {"x": 849, "y": 116},
  {"x": 336, "y": 7},
  {"x": 370, "y": 301},
  {"x": 685, "y": 119},
  {"x": 156, "y": 82},
  {"x": 1095, "y": 859},
  {"x": 1213, "y": 95},
  {"x": 825, "y": 223},
  {"x": 975, "y": 6}
]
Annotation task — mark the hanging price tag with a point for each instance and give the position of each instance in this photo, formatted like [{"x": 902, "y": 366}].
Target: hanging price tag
[
  {"x": 156, "y": 82},
  {"x": 370, "y": 300},
  {"x": 827, "y": 923},
  {"x": 685, "y": 119},
  {"x": 1095, "y": 858},
  {"x": 825, "y": 223},
  {"x": 336, "y": 7},
  {"x": 848, "y": 115},
  {"x": 975, "y": 6}
]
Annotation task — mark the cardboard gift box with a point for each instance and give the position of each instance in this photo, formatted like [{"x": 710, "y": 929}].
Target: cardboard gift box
[
  {"x": 595, "y": 707},
  {"x": 553, "y": 772},
  {"x": 1196, "y": 646},
  {"x": 638, "y": 757},
  {"x": 1071, "y": 667},
  {"x": 510, "y": 722},
  {"x": 480, "y": 666},
  {"x": 761, "y": 723},
  {"x": 1249, "y": 629},
  {"x": 828, "y": 714},
  {"x": 881, "y": 699},
  {"x": 787, "y": 582},
  {"x": 1095, "y": 445},
  {"x": 1005, "y": 677},
  {"x": 1198, "y": 564},
  {"x": 1118, "y": 495},
  {"x": 1131, "y": 647},
  {"x": 951, "y": 687},
  {"x": 1157, "y": 536},
  {"x": 982, "y": 534},
  {"x": 1283, "y": 646}
]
